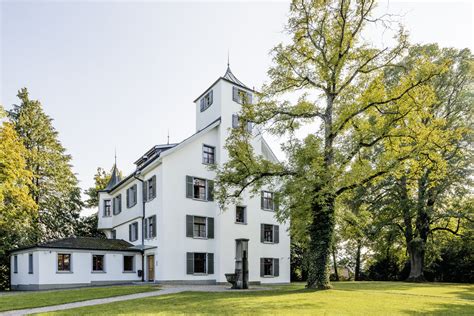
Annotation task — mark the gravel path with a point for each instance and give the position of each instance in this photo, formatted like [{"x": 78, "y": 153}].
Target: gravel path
[{"x": 166, "y": 289}]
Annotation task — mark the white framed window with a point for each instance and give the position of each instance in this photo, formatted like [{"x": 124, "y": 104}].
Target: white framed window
[
  {"x": 107, "y": 208},
  {"x": 199, "y": 189},
  {"x": 241, "y": 96},
  {"x": 64, "y": 262},
  {"x": 150, "y": 227},
  {"x": 208, "y": 155},
  {"x": 267, "y": 201},
  {"x": 98, "y": 263},
  {"x": 128, "y": 263}
]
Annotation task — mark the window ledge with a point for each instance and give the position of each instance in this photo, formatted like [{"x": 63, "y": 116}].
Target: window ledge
[
  {"x": 200, "y": 274},
  {"x": 194, "y": 237},
  {"x": 128, "y": 271},
  {"x": 64, "y": 272},
  {"x": 269, "y": 276},
  {"x": 268, "y": 242},
  {"x": 106, "y": 216},
  {"x": 268, "y": 210},
  {"x": 200, "y": 200},
  {"x": 240, "y": 223},
  {"x": 98, "y": 272}
]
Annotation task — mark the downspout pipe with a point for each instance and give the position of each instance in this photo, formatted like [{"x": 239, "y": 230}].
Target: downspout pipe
[{"x": 136, "y": 176}]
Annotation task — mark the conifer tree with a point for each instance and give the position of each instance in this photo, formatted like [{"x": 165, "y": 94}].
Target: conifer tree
[{"x": 54, "y": 186}]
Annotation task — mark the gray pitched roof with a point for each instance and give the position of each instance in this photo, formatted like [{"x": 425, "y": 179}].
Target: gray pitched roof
[
  {"x": 230, "y": 76},
  {"x": 84, "y": 243},
  {"x": 114, "y": 179}
]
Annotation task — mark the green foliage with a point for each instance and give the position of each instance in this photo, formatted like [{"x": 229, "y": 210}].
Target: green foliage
[
  {"x": 328, "y": 76},
  {"x": 53, "y": 186},
  {"x": 18, "y": 211},
  {"x": 101, "y": 179}
]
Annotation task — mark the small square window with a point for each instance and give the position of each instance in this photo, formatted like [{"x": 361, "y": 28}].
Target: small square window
[
  {"x": 128, "y": 263},
  {"x": 97, "y": 263},
  {"x": 64, "y": 262}
]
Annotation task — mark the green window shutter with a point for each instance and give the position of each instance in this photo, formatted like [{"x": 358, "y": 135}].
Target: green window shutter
[
  {"x": 276, "y": 201},
  {"x": 135, "y": 194},
  {"x": 210, "y": 263},
  {"x": 262, "y": 237},
  {"x": 144, "y": 191},
  {"x": 276, "y": 267},
  {"x": 262, "y": 267},
  {"x": 249, "y": 98},
  {"x": 189, "y": 226},
  {"x": 145, "y": 227},
  {"x": 153, "y": 183},
  {"x": 120, "y": 202},
  {"x": 276, "y": 234},
  {"x": 261, "y": 200},
  {"x": 128, "y": 197},
  {"x": 210, "y": 227},
  {"x": 130, "y": 232},
  {"x": 210, "y": 190},
  {"x": 154, "y": 226},
  {"x": 189, "y": 187},
  {"x": 211, "y": 98},
  {"x": 202, "y": 105},
  {"x": 189, "y": 262},
  {"x": 235, "y": 94}
]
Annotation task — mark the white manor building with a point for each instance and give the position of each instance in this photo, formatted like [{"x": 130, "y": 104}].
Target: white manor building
[{"x": 162, "y": 222}]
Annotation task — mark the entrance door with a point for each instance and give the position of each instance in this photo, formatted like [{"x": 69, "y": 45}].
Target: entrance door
[{"x": 151, "y": 267}]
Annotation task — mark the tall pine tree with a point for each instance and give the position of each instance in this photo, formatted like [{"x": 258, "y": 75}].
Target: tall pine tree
[{"x": 54, "y": 187}]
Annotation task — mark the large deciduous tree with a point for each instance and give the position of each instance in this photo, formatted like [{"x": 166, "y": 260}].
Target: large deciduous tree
[
  {"x": 17, "y": 208},
  {"x": 328, "y": 78},
  {"x": 54, "y": 186},
  {"x": 423, "y": 199}
]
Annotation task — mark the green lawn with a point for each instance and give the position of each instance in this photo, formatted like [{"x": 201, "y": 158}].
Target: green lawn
[
  {"x": 347, "y": 298},
  {"x": 47, "y": 298}
]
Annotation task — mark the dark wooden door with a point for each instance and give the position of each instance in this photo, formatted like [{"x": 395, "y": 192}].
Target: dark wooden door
[{"x": 151, "y": 267}]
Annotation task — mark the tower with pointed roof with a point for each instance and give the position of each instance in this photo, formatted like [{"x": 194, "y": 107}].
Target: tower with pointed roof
[{"x": 222, "y": 100}]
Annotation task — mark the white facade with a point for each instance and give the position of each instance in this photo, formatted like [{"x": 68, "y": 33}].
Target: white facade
[
  {"x": 179, "y": 249},
  {"x": 43, "y": 273},
  {"x": 170, "y": 246}
]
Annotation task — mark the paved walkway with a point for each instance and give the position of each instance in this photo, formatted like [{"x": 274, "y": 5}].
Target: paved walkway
[{"x": 166, "y": 289}]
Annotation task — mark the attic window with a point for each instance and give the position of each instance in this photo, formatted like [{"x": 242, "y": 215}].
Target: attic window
[{"x": 206, "y": 101}]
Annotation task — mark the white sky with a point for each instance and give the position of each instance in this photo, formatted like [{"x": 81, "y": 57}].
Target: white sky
[{"x": 120, "y": 74}]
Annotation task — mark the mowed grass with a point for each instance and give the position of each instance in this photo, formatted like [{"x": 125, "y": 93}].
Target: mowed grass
[
  {"x": 347, "y": 298},
  {"x": 46, "y": 298}
]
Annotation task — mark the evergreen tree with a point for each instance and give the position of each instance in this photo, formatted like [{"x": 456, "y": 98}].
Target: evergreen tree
[{"x": 53, "y": 187}]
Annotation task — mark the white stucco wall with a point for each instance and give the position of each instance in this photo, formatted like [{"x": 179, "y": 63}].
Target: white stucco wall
[
  {"x": 171, "y": 206},
  {"x": 45, "y": 268}
]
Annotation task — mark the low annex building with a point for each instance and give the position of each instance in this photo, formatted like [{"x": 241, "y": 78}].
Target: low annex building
[{"x": 162, "y": 222}]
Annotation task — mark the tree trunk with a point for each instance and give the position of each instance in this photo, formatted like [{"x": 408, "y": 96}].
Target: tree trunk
[
  {"x": 357, "y": 267},
  {"x": 334, "y": 262},
  {"x": 416, "y": 252},
  {"x": 321, "y": 233}
]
